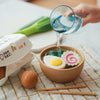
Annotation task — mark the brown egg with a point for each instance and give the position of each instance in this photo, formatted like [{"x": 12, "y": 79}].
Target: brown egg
[{"x": 29, "y": 79}]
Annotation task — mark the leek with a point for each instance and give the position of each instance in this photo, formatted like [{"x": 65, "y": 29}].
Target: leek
[{"x": 40, "y": 25}]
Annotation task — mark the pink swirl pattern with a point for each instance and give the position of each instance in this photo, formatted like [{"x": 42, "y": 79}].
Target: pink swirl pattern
[{"x": 70, "y": 59}]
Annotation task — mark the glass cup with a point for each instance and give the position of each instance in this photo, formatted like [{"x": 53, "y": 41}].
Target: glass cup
[{"x": 64, "y": 20}]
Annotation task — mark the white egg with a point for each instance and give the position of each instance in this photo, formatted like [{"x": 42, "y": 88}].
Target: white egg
[{"x": 54, "y": 62}]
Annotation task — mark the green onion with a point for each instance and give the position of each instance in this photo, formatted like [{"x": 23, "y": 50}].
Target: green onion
[{"x": 40, "y": 25}]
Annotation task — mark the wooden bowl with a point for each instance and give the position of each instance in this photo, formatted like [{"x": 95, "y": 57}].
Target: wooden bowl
[{"x": 61, "y": 75}]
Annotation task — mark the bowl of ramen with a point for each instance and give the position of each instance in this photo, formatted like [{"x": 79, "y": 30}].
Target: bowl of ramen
[{"x": 63, "y": 68}]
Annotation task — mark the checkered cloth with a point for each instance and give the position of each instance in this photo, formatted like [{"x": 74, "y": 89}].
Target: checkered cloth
[{"x": 13, "y": 90}]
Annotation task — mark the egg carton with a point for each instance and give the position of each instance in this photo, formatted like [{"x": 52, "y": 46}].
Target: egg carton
[{"x": 15, "y": 52}]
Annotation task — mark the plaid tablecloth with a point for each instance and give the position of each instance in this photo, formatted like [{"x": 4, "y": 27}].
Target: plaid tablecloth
[{"x": 90, "y": 76}]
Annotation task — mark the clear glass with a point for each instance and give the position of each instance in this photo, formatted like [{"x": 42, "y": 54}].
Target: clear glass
[{"x": 64, "y": 20}]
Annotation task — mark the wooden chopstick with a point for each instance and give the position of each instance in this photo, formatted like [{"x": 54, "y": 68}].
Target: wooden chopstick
[
  {"x": 57, "y": 88},
  {"x": 70, "y": 93}
]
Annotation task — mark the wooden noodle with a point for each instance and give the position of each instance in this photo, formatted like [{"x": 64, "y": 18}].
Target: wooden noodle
[
  {"x": 57, "y": 88},
  {"x": 70, "y": 93}
]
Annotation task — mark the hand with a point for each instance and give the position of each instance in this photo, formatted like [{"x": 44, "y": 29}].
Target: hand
[{"x": 89, "y": 13}]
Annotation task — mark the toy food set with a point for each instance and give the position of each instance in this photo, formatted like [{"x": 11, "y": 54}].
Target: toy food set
[
  {"x": 15, "y": 52},
  {"x": 68, "y": 59},
  {"x": 64, "y": 68},
  {"x": 58, "y": 63}
]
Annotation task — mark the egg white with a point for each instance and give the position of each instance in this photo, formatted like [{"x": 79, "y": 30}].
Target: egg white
[{"x": 46, "y": 60}]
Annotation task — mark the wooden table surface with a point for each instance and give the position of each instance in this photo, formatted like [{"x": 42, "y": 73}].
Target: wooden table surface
[{"x": 51, "y": 4}]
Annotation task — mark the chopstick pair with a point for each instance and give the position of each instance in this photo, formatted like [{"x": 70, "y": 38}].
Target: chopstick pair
[{"x": 49, "y": 90}]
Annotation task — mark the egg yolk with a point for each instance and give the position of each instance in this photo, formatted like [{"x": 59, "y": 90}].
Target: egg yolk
[{"x": 56, "y": 62}]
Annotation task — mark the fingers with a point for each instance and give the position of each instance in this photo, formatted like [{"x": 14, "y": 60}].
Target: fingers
[
  {"x": 81, "y": 10},
  {"x": 77, "y": 10},
  {"x": 86, "y": 20}
]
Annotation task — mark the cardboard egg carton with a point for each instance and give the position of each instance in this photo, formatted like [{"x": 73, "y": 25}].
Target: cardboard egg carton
[{"x": 15, "y": 52}]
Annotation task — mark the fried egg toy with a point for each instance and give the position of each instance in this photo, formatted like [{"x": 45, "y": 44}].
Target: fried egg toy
[{"x": 54, "y": 62}]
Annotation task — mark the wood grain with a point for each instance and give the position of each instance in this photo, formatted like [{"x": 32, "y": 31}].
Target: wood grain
[{"x": 51, "y": 4}]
